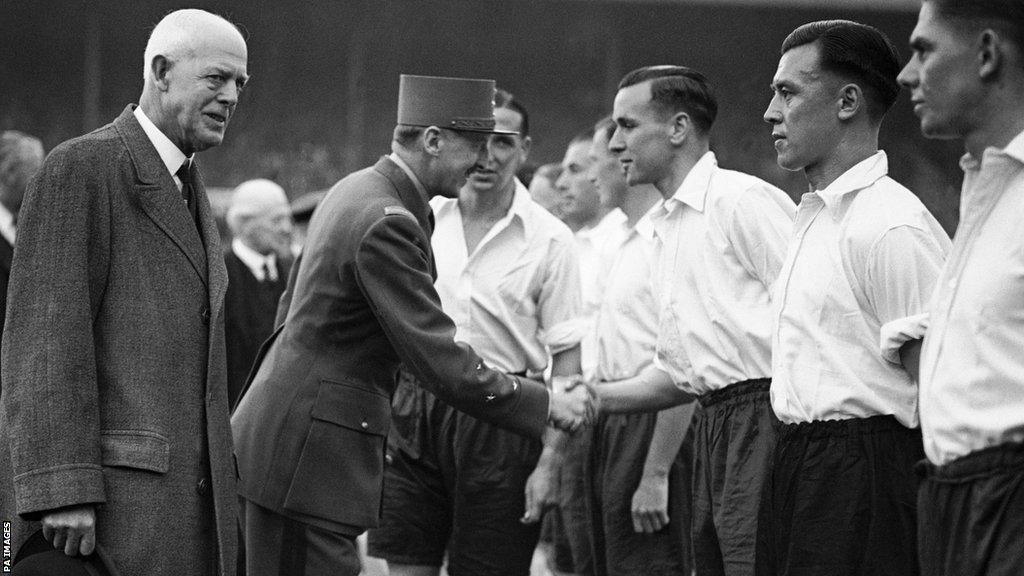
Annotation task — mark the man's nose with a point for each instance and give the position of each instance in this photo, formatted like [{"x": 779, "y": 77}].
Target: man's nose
[
  {"x": 772, "y": 114},
  {"x": 908, "y": 76}
]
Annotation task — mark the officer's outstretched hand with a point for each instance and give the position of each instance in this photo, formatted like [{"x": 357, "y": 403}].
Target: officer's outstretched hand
[{"x": 573, "y": 403}]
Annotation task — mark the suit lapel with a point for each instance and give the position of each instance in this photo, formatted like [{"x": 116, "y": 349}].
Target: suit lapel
[
  {"x": 159, "y": 196},
  {"x": 217, "y": 273}
]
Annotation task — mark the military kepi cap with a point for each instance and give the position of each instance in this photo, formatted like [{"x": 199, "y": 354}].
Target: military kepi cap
[{"x": 464, "y": 104}]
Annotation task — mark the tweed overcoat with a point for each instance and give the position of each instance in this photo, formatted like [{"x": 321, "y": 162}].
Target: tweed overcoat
[
  {"x": 310, "y": 431},
  {"x": 114, "y": 386}
]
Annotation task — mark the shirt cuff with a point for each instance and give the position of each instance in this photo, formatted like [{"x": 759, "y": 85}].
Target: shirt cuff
[{"x": 896, "y": 333}]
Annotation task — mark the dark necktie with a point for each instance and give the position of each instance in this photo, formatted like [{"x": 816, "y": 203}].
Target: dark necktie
[
  {"x": 188, "y": 191},
  {"x": 266, "y": 272}
]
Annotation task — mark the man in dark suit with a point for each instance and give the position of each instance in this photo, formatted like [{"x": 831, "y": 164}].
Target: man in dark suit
[
  {"x": 115, "y": 413},
  {"x": 258, "y": 262},
  {"x": 21, "y": 156},
  {"x": 310, "y": 431}
]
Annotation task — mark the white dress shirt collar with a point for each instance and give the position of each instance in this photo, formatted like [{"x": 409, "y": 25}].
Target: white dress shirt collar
[
  {"x": 860, "y": 176},
  {"x": 1015, "y": 150},
  {"x": 694, "y": 189},
  {"x": 7, "y": 225},
  {"x": 171, "y": 156},
  {"x": 255, "y": 261}
]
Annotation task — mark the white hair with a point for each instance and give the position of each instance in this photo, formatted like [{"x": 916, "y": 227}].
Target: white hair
[
  {"x": 175, "y": 35},
  {"x": 253, "y": 198}
]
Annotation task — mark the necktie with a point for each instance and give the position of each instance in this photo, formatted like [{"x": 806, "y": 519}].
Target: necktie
[
  {"x": 188, "y": 191},
  {"x": 267, "y": 274}
]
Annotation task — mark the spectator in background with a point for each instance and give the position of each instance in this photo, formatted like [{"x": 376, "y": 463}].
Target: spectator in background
[
  {"x": 115, "y": 406},
  {"x": 864, "y": 252},
  {"x": 544, "y": 191},
  {"x": 258, "y": 262},
  {"x": 966, "y": 81},
  {"x": 458, "y": 487},
  {"x": 640, "y": 468},
  {"x": 21, "y": 156}
]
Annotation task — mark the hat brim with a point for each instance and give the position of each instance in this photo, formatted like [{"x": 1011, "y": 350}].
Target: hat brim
[{"x": 482, "y": 130}]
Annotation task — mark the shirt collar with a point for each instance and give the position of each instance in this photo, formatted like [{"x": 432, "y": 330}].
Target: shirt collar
[
  {"x": 607, "y": 222},
  {"x": 171, "y": 156},
  {"x": 694, "y": 189},
  {"x": 522, "y": 204},
  {"x": 7, "y": 224},
  {"x": 412, "y": 175},
  {"x": 1015, "y": 150},
  {"x": 860, "y": 176},
  {"x": 253, "y": 259},
  {"x": 645, "y": 225}
]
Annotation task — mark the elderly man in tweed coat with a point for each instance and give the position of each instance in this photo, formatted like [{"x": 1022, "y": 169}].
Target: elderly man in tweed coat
[{"x": 115, "y": 410}]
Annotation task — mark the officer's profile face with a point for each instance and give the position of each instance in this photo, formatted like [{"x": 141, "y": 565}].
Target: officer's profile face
[{"x": 458, "y": 152}]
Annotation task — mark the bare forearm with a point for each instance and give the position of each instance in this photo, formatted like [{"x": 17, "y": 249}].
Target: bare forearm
[
  {"x": 669, "y": 432},
  {"x": 650, "y": 390}
]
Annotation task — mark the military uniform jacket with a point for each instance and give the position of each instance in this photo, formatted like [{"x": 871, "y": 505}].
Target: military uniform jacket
[
  {"x": 114, "y": 386},
  {"x": 310, "y": 431}
]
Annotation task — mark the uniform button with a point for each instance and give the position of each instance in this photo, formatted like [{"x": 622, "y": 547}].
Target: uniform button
[
  {"x": 206, "y": 315},
  {"x": 202, "y": 487},
  {"x": 388, "y": 459},
  {"x": 365, "y": 425}
]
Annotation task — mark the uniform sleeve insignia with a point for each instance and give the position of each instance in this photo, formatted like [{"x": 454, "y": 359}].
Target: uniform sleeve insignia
[{"x": 393, "y": 210}]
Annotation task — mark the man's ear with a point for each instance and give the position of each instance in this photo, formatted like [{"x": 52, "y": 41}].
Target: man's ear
[
  {"x": 851, "y": 101},
  {"x": 159, "y": 68},
  {"x": 991, "y": 52},
  {"x": 526, "y": 145},
  {"x": 682, "y": 126},
  {"x": 431, "y": 140}
]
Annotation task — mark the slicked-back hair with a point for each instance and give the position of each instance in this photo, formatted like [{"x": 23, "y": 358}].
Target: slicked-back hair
[
  {"x": 856, "y": 52},
  {"x": 678, "y": 89},
  {"x": 1005, "y": 15},
  {"x": 605, "y": 126},
  {"x": 505, "y": 99}
]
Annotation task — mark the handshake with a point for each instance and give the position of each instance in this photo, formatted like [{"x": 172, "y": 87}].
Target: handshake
[{"x": 574, "y": 403}]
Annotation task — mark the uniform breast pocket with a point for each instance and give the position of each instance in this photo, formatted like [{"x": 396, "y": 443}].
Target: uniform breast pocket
[{"x": 340, "y": 471}]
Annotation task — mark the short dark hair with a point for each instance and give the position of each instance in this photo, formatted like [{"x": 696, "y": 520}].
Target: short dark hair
[
  {"x": 1008, "y": 16},
  {"x": 857, "y": 52},
  {"x": 405, "y": 135},
  {"x": 678, "y": 89},
  {"x": 605, "y": 126},
  {"x": 505, "y": 99}
]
